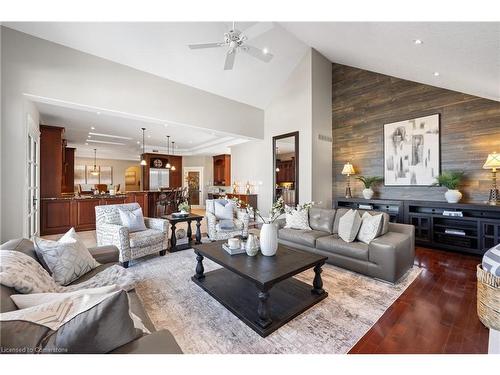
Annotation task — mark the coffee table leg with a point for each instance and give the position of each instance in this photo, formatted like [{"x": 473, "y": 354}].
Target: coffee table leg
[
  {"x": 199, "y": 266},
  {"x": 189, "y": 232},
  {"x": 173, "y": 240},
  {"x": 318, "y": 282},
  {"x": 198, "y": 232},
  {"x": 263, "y": 310}
]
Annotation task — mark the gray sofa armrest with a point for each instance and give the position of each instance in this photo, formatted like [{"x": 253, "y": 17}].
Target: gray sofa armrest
[
  {"x": 393, "y": 253},
  {"x": 105, "y": 254},
  {"x": 404, "y": 229},
  {"x": 159, "y": 342}
]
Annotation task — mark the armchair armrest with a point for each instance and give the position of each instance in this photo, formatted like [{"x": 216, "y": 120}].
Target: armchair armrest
[
  {"x": 105, "y": 254},
  {"x": 158, "y": 224},
  {"x": 211, "y": 223},
  {"x": 117, "y": 235}
]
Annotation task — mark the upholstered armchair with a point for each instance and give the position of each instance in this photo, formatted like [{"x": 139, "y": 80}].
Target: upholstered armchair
[
  {"x": 132, "y": 245},
  {"x": 219, "y": 227}
]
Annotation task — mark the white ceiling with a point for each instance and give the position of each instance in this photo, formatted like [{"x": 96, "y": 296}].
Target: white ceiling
[
  {"x": 78, "y": 124},
  {"x": 161, "y": 49},
  {"x": 466, "y": 54}
]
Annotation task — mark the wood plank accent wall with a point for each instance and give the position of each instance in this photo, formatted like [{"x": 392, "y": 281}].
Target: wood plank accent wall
[{"x": 364, "y": 101}]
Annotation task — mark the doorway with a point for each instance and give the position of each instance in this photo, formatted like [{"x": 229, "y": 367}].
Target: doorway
[
  {"x": 193, "y": 180},
  {"x": 32, "y": 184}
]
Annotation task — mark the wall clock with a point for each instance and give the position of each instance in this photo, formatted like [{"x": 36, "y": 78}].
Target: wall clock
[{"x": 157, "y": 163}]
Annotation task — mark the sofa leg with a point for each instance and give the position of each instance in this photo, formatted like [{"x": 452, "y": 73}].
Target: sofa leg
[
  {"x": 163, "y": 252},
  {"x": 125, "y": 264}
]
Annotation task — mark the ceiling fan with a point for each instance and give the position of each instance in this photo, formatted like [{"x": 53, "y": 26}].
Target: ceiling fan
[{"x": 236, "y": 41}]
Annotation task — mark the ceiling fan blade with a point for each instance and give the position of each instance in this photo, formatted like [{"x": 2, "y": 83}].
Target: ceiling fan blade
[
  {"x": 229, "y": 63},
  {"x": 257, "y": 53},
  {"x": 258, "y": 29},
  {"x": 206, "y": 45}
]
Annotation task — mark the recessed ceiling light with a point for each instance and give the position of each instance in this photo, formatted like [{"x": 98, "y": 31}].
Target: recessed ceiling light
[
  {"x": 149, "y": 136},
  {"x": 110, "y": 135},
  {"x": 190, "y": 141},
  {"x": 436, "y": 74},
  {"x": 88, "y": 136},
  {"x": 165, "y": 125},
  {"x": 92, "y": 128},
  {"x": 138, "y": 142},
  {"x": 98, "y": 113},
  {"x": 86, "y": 143},
  {"x": 418, "y": 41},
  {"x": 265, "y": 51}
]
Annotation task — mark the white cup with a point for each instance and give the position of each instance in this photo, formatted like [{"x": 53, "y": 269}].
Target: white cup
[{"x": 234, "y": 243}]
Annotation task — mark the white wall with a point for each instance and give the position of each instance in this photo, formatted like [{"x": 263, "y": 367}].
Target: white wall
[
  {"x": 34, "y": 66},
  {"x": 322, "y": 158},
  {"x": 303, "y": 104},
  {"x": 119, "y": 167}
]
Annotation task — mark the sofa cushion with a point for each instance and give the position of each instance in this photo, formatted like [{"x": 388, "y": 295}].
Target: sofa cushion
[
  {"x": 321, "y": 219},
  {"x": 300, "y": 236},
  {"x": 237, "y": 225},
  {"x": 109, "y": 214},
  {"x": 297, "y": 218},
  {"x": 92, "y": 273},
  {"x": 338, "y": 214},
  {"x": 349, "y": 225},
  {"x": 336, "y": 245},
  {"x": 385, "y": 220},
  {"x": 371, "y": 227},
  {"x": 146, "y": 237},
  {"x": 23, "y": 245}
]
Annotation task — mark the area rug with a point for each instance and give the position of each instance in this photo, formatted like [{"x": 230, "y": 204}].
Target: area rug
[{"x": 201, "y": 325}]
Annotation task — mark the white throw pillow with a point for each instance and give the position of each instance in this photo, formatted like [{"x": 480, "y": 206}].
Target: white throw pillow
[
  {"x": 224, "y": 212},
  {"x": 370, "y": 227},
  {"x": 68, "y": 259},
  {"x": 349, "y": 225},
  {"x": 297, "y": 218},
  {"x": 133, "y": 220},
  {"x": 25, "y": 274}
]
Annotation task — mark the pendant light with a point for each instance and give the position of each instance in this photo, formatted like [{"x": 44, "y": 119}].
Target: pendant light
[
  {"x": 173, "y": 153},
  {"x": 168, "y": 166},
  {"x": 143, "y": 161},
  {"x": 95, "y": 172}
]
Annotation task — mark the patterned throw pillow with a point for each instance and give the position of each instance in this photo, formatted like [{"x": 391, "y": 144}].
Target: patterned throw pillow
[
  {"x": 491, "y": 260},
  {"x": 349, "y": 225},
  {"x": 24, "y": 274},
  {"x": 67, "y": 258},
  {"x": 133, "y": 220},
  {"x": 297, "y": 218},
  {"x": 224, "y": 211},
  {"x": 370, "y": 227},
  {"x": 82, "y": 323}
]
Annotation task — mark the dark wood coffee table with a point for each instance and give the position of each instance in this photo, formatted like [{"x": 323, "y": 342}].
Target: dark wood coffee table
[
  {"x": 174, "y": 220},
  {"x": 244, "y": 284}
]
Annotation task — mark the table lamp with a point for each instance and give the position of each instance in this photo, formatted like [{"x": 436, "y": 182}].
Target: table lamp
[
  {"x": 493, "y": 162},
  {"x": 348, "y": 170}
]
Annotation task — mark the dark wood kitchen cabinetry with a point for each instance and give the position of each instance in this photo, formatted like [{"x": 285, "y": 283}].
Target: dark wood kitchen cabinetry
[
  {"x": 68, "y": 170},
  {"x": 286, "y": 171},
  {"x": 51, "y": 160},
  {"x": 222, "y": 170}
]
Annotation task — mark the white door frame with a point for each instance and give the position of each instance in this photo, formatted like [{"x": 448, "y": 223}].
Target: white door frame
[
  {"x": 31, "y": 205},
  {"x": 185, "y": 170}
]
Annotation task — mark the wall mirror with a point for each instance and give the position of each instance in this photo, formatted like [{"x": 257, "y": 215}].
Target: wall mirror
[{"x": 286, "y": 168}]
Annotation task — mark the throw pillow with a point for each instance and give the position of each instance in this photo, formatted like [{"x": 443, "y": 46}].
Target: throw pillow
[
  {"x": 24, "y": 274},
  {"x": 224, "y": 211},
  {"x": 226, "y": 224},
  {"x": 491, "y": 260},
  {"x": 133, "y": 220},
  {"x": 297, "y": 218},
  {"x": 67, "y": 258},
  {"x": 370, "y": 227},
  {"x": 349, "y": 225},
  {"x": 87, "y": 323}
]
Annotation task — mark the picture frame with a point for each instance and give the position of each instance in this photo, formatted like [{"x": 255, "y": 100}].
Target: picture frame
[{"x": 412, "y": 151}]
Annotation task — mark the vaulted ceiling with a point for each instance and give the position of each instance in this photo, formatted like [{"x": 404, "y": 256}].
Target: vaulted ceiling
[{"x": 465, "y": 55}]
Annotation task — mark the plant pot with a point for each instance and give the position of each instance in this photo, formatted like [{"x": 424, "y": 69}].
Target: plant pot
[
  {"x": 368, "y": 193},
  {"x": 269, "y": 239},
  {"x": 453, "y": 196}
]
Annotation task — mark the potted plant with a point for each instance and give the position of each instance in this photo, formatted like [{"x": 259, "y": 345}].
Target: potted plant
[
  {"x": 368, "y": 182},
  {"x": 451, "y": 180},
  {"x": 184, "y": 207}
]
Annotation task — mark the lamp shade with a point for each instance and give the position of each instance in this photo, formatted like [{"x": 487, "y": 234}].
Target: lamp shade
[
  {"x": 348, "y": 169},
  {"x": 492, "y": 162}
]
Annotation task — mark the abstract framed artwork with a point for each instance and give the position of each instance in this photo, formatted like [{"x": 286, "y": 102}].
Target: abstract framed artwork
[{"x": 412, "y": 152}]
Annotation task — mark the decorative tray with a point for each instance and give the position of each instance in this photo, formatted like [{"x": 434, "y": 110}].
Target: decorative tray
[{"x": 230, "y": 251}]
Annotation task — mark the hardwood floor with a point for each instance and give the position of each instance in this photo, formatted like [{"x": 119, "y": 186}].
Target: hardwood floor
[{"x": 436, "y": 314}]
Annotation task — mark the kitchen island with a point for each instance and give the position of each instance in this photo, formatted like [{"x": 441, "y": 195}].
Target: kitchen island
[{"x": 59, "y": 214}]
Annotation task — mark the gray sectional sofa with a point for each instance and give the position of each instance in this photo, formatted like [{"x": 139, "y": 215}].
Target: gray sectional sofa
[
  {"x": 387, "y": 257},
  {"x": 158, "y": 342}
]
